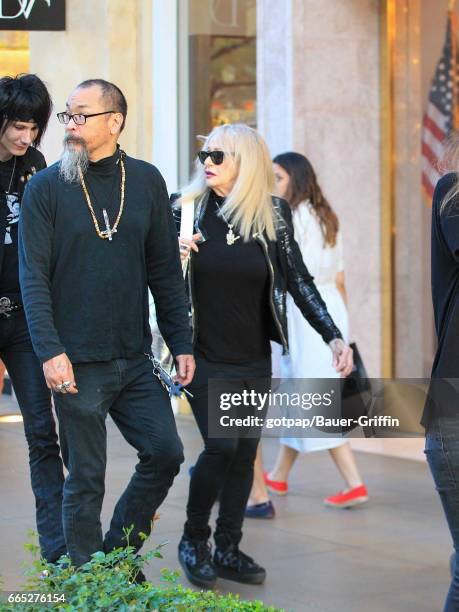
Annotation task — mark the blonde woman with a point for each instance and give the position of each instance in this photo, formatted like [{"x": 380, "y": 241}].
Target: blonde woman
[
  {"x": 243, "y": 260},
  {"x": 317, "y": 232}
]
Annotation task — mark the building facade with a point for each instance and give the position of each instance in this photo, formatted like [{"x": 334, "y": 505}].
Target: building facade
[{"x": 344, "y": 82}]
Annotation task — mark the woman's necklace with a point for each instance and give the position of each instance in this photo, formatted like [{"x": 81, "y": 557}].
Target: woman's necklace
[
  {"x": 109, "y": 231},
  {"x": 8, "y": 191},
  {"x": 231, "y": 237}
]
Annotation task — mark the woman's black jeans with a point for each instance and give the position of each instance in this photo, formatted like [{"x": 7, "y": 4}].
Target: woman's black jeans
[
  {"x": 442, "y": 452},
  {"x": 34, "y": 398},
  {"x": 225, "y": 467}
]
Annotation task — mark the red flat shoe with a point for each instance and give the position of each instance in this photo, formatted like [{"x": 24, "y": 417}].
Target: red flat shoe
[
  {"x": 348, "y": 499},
  {"x": 275, "y": 486}
]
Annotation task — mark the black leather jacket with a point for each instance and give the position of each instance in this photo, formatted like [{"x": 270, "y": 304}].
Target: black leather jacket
[{"x": 287, "y": 273}]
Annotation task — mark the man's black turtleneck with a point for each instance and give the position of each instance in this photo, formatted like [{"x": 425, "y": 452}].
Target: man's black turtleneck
[{"x": 86, "y": 296}]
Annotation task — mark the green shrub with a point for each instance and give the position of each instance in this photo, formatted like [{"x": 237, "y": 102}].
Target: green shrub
[{"x": 107, "y": 584}]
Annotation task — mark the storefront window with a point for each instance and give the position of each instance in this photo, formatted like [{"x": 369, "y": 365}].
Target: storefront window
[
  {"x": 14, "y": 53},
  {"x": 217, "y": 69}
]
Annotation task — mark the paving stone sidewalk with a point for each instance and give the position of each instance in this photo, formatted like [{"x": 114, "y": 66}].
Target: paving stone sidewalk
[{"x": 389, "y": 556}]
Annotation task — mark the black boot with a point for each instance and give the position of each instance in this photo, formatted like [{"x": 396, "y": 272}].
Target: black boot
[
  {"x": 139, "y": 577},
  {"x": 195, "y": 557},
  {"x": 233, "y": 564}
]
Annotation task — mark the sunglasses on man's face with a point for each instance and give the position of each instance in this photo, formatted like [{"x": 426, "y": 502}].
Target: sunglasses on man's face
[{"x": 217, "y": 157}]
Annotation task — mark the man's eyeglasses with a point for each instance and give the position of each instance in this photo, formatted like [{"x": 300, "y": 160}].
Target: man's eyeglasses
[
  {"x": 79, "y": 118},
  {"x": 217, "y": 157}
]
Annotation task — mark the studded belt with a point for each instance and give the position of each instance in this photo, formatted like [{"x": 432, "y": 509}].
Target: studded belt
[{"x": 8, "y": 306}]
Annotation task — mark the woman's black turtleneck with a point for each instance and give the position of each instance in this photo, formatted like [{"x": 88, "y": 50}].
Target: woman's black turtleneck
[
  {"x": 231, "y": 285},
  {"x": 86, "y": 296}
]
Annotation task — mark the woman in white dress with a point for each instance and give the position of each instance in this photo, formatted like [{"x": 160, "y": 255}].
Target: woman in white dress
[{"x": 317, "y": 233}]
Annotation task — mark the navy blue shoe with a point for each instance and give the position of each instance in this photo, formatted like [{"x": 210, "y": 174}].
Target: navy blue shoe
[
  {"x": 452, "y": 564},
  {"x": 264, "y": 510}
]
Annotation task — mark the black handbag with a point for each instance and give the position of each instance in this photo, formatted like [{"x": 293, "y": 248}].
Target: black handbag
[
  {"x": 355, "y": 392},
  {"x": 355, "y": 397}
]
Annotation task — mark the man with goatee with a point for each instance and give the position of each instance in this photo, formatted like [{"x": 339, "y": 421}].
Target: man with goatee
[{"x": 96, "y": 233}]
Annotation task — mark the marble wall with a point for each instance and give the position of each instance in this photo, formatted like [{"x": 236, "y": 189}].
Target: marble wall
[
  {"x": 319, "y": 93},
  {"x": 108, "y": 39},
  {"x": 411, "y": 240}
]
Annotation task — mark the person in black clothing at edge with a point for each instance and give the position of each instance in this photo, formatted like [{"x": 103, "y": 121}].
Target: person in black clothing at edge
[
  {"x": 441, "y": 412},
  {"x": 243, "y": 260},
  {"x": 25, "y": 108},
  {"x": 96, "y": 232}
]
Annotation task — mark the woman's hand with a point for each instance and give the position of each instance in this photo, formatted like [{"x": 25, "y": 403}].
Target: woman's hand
[
  {"x": 186, "y": 244},
  {"x": 343, "y": 361}
]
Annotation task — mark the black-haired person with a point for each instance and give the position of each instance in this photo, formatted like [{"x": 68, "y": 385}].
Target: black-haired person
[
  {"x": 441, "y": 413},
  {"x": 25, "y": 107}
]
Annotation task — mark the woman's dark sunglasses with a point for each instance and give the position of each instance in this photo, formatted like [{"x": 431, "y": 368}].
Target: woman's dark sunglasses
[{"x": 216, "y": 156}]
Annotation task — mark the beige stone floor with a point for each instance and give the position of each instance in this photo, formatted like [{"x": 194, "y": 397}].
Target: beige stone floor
[{"x": 390, "y": 556}]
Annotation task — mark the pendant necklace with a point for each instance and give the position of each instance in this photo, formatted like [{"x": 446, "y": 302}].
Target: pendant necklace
[
  {"x": 8, "y": 191},
  {"x": 109, "y": 231},
  {"x": 231, "y": 237}
]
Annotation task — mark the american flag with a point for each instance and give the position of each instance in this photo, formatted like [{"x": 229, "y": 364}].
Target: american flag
[{"x": 440, "y": 117}]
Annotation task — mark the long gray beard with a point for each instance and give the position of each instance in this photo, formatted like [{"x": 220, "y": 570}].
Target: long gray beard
[{"x": 72, "y": 159}]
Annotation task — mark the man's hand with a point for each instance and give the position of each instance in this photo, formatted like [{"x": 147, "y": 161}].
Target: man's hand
[
  {"x": 343, "y": 361},
  {"x": 186, "y": 245},
  {"x": 58, "y": 371},
  {"x": 185, "y": 367}
]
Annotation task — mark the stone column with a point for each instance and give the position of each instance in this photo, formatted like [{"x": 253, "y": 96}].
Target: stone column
[
  {"x": 318, "y": 93},
  {"x": 275, "y": 73},
  {"x": 412, "y": 237}
]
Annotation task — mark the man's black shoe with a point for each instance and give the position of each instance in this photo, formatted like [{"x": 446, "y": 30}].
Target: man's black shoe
[
  {"x": 196, "y": 559},
  {"x": 139, "y": 577},
  {"x": 232, "y": 564}
]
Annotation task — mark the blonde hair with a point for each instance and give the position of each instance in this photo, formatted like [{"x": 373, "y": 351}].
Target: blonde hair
[{"x": 249, "y": 204}]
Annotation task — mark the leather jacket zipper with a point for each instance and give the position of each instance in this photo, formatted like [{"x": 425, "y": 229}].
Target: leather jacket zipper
[
  {"x": 262, "y": 241},
  {"x": 192, "y": 301}
]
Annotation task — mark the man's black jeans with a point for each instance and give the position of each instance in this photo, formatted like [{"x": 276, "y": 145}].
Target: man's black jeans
[
  {"x": 142, "y": 411},
  {"x": 225, "y": 466},
  {"x": 34, "y": 398}
]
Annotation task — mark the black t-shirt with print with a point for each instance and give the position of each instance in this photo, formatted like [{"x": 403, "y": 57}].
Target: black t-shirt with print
[
  {"x": 9, "y": 278},
  {"x": 13, "y": 177}
]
